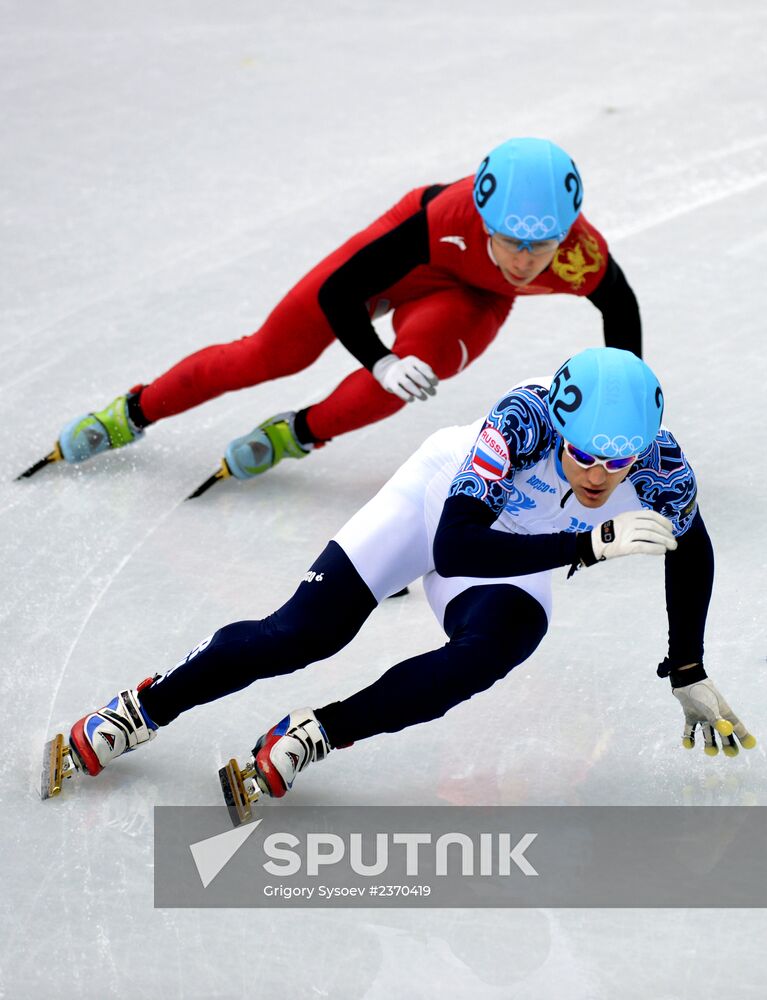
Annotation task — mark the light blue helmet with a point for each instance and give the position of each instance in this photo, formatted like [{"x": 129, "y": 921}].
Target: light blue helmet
[
  {"x": 528, "y": 190},
  {"x": 606, "y": 402}
]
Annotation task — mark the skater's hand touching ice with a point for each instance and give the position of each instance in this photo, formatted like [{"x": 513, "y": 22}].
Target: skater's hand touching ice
[{"x": 705, "y": 706}]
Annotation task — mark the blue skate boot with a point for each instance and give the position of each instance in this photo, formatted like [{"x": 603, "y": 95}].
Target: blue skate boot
[
  {"x": 265, "y": 446},
  {"x": 92, "y": 433}
]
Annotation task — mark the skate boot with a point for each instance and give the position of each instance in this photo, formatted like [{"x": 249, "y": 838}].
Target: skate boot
[
  {"x": 291, "y": 746},
  {"x": 265, "y": 446},
  {"x": 93, "y": 433},
  {"x": 97, "y": 739},
  {"x": 119, "y": 727},
  {"x": 287, "y": 748}
]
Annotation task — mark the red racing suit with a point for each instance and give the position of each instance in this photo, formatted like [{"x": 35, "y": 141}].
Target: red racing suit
[{"x": 428, "y": 259}]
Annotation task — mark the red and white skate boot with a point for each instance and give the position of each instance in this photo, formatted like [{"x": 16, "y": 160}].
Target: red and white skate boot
[
  {"x": 115, "y": 729},
  {"x": 287, "y": 748}
]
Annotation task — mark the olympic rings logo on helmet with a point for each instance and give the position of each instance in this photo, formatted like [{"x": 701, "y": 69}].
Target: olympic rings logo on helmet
[
  {"x": 531, "y": 227},
  {"x": 618, "y": 446}
]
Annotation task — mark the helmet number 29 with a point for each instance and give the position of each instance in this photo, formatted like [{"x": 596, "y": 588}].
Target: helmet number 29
[
  {"x": 485, "y": 183},
  {"x": 571, "y": 396}
]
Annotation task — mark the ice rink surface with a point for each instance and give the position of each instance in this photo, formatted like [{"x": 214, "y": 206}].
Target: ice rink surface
[{"x": 169, "y": 171}]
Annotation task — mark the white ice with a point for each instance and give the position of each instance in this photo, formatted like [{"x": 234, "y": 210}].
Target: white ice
[{"x": 169, "y": 170}]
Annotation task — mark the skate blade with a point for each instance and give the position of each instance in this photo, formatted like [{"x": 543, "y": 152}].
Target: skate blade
[
  {"x": 221, "y": 473},
  {"x": 238, "y": 799},
  {"x": 57, "y": 765},
  {"x": 53, "y": 456}
]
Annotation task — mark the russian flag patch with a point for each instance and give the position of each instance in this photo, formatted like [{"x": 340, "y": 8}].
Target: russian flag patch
[{"x": 490, "y": 458}]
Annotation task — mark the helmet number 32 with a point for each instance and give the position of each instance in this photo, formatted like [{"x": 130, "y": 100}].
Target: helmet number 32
[{"x": 570, "y": 398}]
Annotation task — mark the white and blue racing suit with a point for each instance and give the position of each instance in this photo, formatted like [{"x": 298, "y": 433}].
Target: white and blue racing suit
[{"x": 483, "y": 513}]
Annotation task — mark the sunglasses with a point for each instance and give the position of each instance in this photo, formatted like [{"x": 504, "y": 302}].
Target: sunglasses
[{"x": 587, "y": 461}]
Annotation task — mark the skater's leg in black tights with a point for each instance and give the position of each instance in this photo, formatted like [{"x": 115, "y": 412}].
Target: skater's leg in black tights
[
  {"x": 491, "y": 629},
  {"x": 325, "y": 613}
]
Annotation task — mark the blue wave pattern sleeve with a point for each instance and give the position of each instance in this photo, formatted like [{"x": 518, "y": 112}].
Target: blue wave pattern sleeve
[
  {"x": 665, "y": 482},
  {"x": 516, "y": 435}
]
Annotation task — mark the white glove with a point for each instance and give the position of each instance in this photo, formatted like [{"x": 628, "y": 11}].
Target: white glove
[
  {"x": 703, "y": 705},
  {"x": 409, "y": 378},
  {"x": 636, "y": 531}
]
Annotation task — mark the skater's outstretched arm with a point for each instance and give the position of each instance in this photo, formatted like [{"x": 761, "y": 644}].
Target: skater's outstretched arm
[
  {"x": 616, "y": 301},
  {"x": 689, "y": 582},
  {"x": 377, "y": 266},
  {"x": 465, "y": 545}
]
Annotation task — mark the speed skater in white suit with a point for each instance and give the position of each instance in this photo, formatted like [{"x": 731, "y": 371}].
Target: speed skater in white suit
[{"x": 567, "y": 471}]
